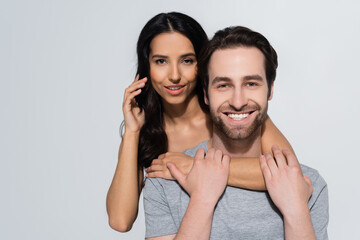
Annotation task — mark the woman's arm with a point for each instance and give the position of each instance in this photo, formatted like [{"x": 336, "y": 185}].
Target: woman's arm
[
  {"x": 271, "y": 135},
  {"x": 244, "y": 172},
  {"x": 123, "y": 195}
]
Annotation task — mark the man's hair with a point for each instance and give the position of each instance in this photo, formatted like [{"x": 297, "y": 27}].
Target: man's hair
[{"x": 233, "y": 37}]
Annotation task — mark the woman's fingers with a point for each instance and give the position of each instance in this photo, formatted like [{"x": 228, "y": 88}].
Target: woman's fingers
[
  {"x": 157, "y": 161},
  {"x": 128, "y": 100},
  {"x": 160, "y": 174},
  {"x": 154, "y": 168},
  {"x": 133, "y": 90},
  {"x": 156, "y": 165},
  {"x": 177, "y": 174},
  {"x": 135, "y": 86},
  {"x": 137, "y": 77}
]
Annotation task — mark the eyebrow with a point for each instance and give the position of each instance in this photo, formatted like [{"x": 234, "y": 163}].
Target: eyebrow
[
  {"x": 220, "y": 79},
  {"x": 253, "y": 77},
  {"x": 184, "y": 55},
  {"x": 246, "y": 78}
]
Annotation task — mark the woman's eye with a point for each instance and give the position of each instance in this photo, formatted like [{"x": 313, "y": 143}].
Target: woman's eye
[
  {"x": 160, "y": 61},
  {"x": 188, "y": 61}
]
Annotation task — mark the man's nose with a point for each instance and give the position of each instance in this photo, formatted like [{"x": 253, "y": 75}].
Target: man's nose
[
  {"x": 174, "y": 73},
  {"x": 238, "y": 99}
]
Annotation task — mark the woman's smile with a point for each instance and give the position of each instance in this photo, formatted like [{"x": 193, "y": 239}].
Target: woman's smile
[
  {"x": 175, "y": 89},
  {"x": 173, "y": 67}
]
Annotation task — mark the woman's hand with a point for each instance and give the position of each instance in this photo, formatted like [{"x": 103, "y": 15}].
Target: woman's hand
[
  {"x": 134, "y": 118},
  {"x": 289, "y": 189},
  {"x": 159, "y": 168}
]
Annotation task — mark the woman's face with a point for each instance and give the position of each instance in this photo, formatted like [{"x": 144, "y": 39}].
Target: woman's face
[{"x": 173, "y": 67}]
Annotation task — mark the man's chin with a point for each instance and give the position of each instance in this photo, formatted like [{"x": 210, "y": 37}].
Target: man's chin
[{"x": 238, "y": 132}]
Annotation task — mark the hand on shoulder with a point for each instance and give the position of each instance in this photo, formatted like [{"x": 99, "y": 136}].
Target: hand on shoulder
[
  {"x": 159, "y": 167},
  {"x": 208, "y": 176},
  {"x": 288, "y": 188}
]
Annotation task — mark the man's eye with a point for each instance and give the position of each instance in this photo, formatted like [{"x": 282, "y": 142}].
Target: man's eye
[
  {"x": 222, "y": 86},
  {"x": 251, "y": 84},
  {"x": 160, "y": 61}
]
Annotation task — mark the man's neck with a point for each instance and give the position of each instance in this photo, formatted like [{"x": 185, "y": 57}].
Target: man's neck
[{"x": 249, "y": 147}]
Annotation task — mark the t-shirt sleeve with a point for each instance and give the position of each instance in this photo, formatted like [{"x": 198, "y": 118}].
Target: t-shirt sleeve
[
  {"x": 158, "y": 218},
  {"x": 319, "y": 208}
]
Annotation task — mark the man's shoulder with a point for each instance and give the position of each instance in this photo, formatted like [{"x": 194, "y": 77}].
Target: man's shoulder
[
  {"x": 313, "y": 174},
  {"x": 192, "y": 151},
  {"x": 154, "y": 186},
  {"x": 319, "y": 185}
]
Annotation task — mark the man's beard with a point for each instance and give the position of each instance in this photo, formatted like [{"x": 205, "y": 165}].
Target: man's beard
[{"x": 240, "y": 132}]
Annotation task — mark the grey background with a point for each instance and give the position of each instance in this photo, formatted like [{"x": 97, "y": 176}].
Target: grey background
[{"x": 64, "y": 66}]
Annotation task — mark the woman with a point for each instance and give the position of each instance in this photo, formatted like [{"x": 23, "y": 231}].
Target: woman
[{"x": 164, "y": 112}]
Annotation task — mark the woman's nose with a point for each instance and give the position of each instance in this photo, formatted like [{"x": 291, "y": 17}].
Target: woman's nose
[{"x": 174, "y": 74}]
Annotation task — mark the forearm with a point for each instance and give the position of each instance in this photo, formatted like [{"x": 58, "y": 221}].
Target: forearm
[
  {"x": 196, "y": 223},
  {"x": 299, "y": 226},
  {"x": 123, "y": 195},
  {"x": 271, "y": 135},
  {"x": 246, "y": 173}
]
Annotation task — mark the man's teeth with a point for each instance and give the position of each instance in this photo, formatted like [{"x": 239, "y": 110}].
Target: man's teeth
[{"x": 238, "y": 116}]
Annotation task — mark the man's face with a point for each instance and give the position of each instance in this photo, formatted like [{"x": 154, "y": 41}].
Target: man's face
[{"x": 237, "y": 91}]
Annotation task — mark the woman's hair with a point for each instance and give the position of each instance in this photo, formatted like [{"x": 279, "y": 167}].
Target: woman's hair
[{"x": 153, "y": 140}]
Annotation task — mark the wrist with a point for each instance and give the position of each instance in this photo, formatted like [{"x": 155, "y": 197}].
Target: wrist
[
  {"x": 297, "y": 214},
  {"x": 131, "y": 132},
  {"x": 204, "y": 202},
  {"x": 128, "y": 134}
]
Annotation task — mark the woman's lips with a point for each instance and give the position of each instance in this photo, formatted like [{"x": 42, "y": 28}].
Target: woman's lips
[{"x": 175, "y": 89}]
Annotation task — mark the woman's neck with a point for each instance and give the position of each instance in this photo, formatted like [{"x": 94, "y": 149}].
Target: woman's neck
[{"x": 182, "y": 113}]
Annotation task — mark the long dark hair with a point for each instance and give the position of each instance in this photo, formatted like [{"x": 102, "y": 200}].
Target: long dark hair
[{"x": 153, "y": 140}]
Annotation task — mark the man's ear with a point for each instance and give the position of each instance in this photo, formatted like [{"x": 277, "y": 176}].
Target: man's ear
[
  {"x": 205, "y": 97},
  {"x": 271, "y": 91}
]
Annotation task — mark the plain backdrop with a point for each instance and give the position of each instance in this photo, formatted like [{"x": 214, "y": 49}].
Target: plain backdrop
[{"x": 64, "y": 66}]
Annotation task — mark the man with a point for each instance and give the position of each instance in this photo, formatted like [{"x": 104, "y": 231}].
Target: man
[{"x": 238, "y": 70}]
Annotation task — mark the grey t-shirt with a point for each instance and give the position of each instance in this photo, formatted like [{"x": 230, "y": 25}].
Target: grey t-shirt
[{"x": 239, "y": 214}]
